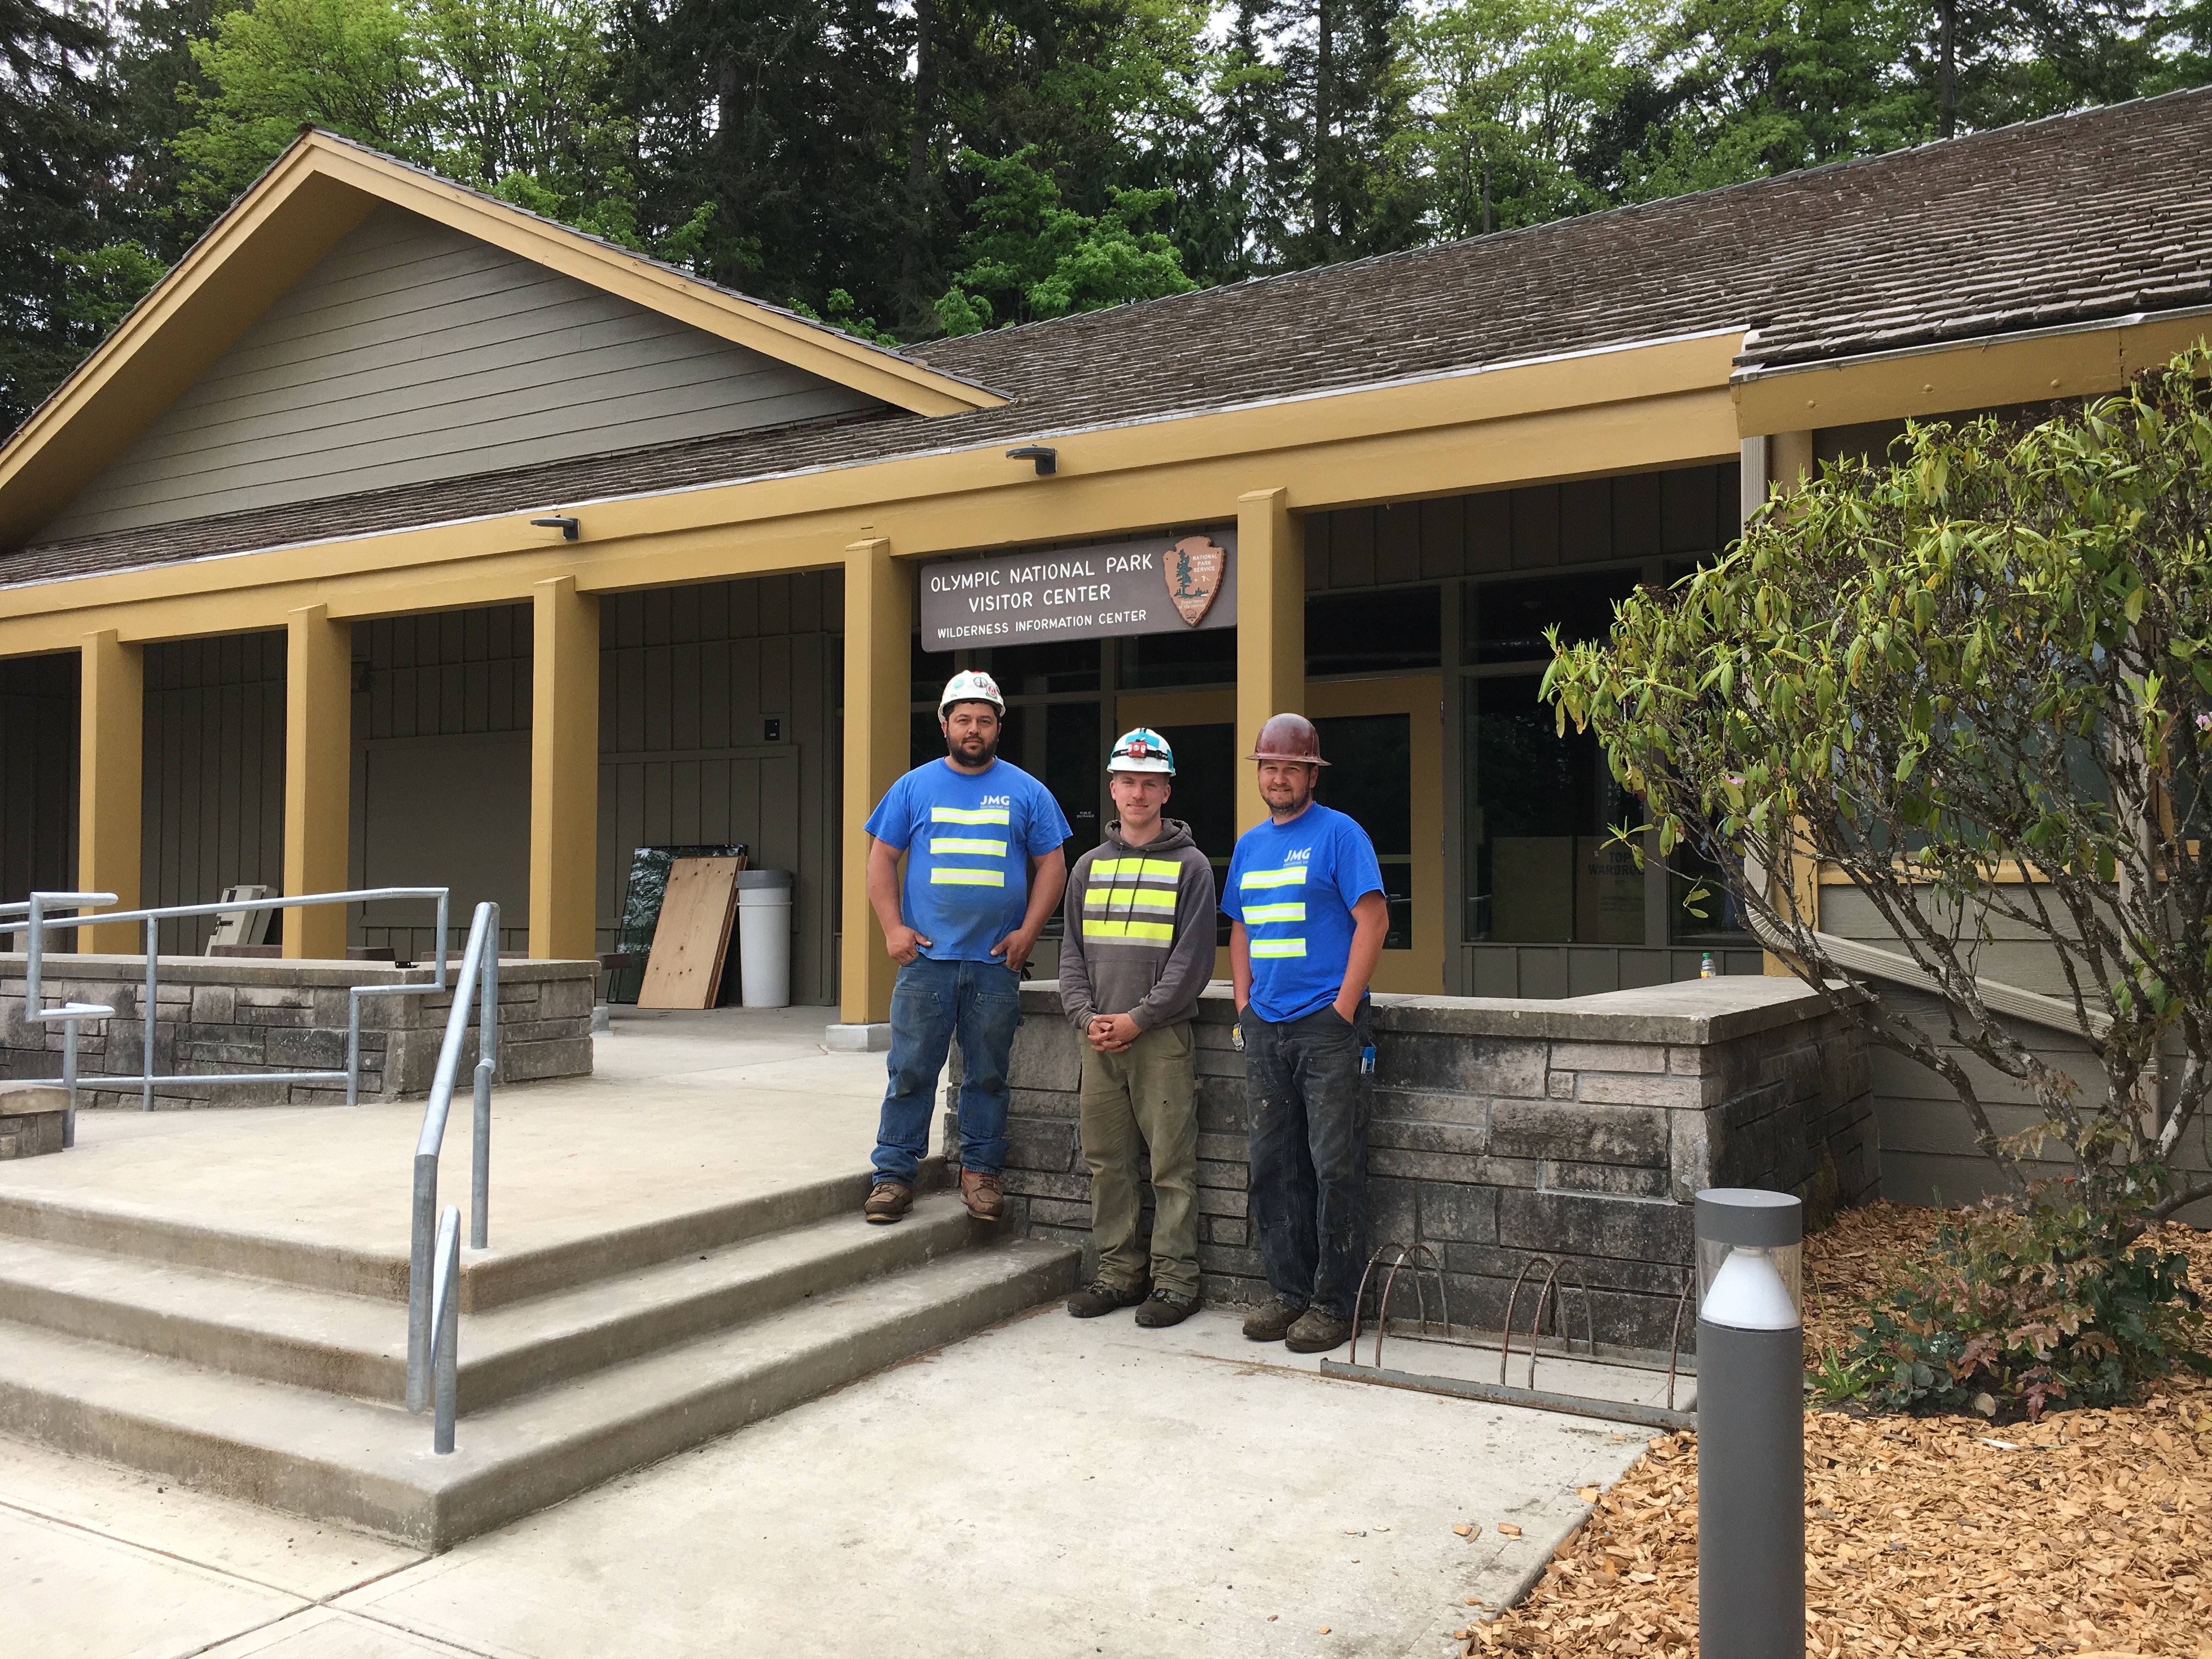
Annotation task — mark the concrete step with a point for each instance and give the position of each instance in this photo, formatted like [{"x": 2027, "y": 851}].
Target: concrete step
[
  {"x": 369, "y": 1465},
  {"x": 358, "y": 1346},
  {"x": 501, "y": 1275}
]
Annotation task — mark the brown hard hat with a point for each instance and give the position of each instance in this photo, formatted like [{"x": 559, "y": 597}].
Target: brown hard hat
[{"x": 1288, "y": 737}]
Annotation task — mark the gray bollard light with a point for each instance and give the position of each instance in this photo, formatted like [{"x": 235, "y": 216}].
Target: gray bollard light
[{"x": 1750, "y": 1425}]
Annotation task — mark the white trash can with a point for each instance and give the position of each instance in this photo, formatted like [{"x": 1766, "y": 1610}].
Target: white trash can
[{"x": 765, "y": 938}]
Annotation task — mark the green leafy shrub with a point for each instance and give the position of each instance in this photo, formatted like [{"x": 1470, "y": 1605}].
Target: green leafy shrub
[{"x": 2021, "y": 1302}]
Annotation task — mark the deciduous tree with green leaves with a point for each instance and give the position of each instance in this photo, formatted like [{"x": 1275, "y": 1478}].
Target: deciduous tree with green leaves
[{"x": 1976, "y": 679}]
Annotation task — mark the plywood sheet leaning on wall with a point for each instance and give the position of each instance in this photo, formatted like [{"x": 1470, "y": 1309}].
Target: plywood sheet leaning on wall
[{"x": 693, "y": 934}]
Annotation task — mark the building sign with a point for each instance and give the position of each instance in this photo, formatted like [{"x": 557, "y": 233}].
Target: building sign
[{"x": 1158, "y": 585}]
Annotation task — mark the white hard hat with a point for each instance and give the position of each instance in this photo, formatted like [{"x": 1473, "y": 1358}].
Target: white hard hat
[
  {"x": 1141, "y": 750},
  {"x": 970, "y": 685}
]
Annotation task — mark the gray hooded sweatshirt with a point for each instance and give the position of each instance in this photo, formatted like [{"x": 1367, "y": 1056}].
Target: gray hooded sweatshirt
[{"x": 1140, "y": 920}]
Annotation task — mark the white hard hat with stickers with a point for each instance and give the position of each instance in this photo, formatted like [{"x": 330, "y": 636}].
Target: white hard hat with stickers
[
  {"x": 970, "y": 685},
  {"x": 1142, "y": 751}
]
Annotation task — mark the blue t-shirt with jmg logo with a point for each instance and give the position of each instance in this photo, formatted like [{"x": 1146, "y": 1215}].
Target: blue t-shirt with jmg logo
[
  {"x": 968, "y": 837},
  {"x": 1293, "y": 885}
]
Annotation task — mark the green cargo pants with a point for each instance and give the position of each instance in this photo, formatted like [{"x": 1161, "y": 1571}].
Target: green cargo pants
[{"x": 1145, "y": 1099}]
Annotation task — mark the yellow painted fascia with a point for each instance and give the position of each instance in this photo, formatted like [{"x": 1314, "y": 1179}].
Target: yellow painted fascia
[
  {"x": 818, "y": 349},
  {"x": 2034, "y": 366},
  {"x": 1642, "y": 407},
  {"x": 319, "y": 189}
]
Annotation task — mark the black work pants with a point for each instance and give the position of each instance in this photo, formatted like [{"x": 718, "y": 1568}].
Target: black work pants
[{"x": 1309, "y": 1105}]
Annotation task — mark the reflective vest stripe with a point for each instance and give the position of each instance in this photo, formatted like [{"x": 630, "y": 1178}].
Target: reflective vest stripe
[
  {"x": 1264, "y": 948},
  {"x": 1254, "y": 913},
  {"x": 965, "y": 844},
  {"x": 967, "y": 815},
  {"x": 1156, "y": 869},
  {"x": 1295, "y": 876},
  {"x": 967, "y": 878},
  {"x": 1150, "y": 932}
]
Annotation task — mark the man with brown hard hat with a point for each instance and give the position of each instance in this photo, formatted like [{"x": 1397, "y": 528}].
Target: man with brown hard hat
[
  {"x": 1138, "y": 951},
  {"x": 1304, "y": 892}
]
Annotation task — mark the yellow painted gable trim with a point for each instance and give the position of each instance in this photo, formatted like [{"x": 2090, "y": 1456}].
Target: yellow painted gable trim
[{"x": 313, "y": 194}]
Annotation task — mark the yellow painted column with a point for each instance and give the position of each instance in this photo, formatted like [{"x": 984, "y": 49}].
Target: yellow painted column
[
  {"x": 878, "y": 630},
  {"x": 564, "y": 771},
  {"x": 1271, "y": 627},
  {"x": 318, "y": 776},
  {"x": 110, "y": 762},
  {"x": 1782, "y": 462}
]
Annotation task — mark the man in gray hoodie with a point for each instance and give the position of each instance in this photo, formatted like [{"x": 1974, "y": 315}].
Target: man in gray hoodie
[{"x": 1138, "y": 951}]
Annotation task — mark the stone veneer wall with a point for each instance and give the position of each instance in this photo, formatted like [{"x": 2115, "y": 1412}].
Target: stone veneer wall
[
  {"x": 1502, "y": 1129},
  {"x": 217, "y": 1013}
]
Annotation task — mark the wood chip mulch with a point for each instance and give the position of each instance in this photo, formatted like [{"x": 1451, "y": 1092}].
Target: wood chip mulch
[{"x": 2087, "y": 1534}]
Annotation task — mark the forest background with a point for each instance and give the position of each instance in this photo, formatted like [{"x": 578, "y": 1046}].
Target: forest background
[{"x": 907, "y": 168}]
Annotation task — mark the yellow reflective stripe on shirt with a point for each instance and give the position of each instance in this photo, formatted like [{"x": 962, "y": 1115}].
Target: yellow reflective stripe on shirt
[
  {"x": 967, "y": 878},
  {"x": 1295, "y": 876},
  {"x": 1296, "y": 912},
  {"x": 1263, "y": 948},
  {"x": 1148, "y": 932},
  {"x": 1159, "y": 869},
  {"x": 1149, "y": 898},
  {"x": 965, "y": 844},
  {"x": 970, "y": 815}
]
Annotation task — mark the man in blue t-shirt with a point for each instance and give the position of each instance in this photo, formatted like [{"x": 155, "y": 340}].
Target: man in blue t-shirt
[
  {"x": 1304, "y": 893},
  {"x": 984, "y": 869}
]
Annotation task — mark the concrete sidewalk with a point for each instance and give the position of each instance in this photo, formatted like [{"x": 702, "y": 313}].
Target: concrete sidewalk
[{"x": 1051, "y": 1487}]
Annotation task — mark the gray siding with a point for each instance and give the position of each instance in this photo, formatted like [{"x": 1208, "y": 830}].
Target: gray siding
[
  {"x": 1928, "y": 1149},
  {"x": 412, "y": 352},
  {"x": 440, "y": 793},
  {"x": 213, "y": 779},
  {"x": 688, "y": 677}
]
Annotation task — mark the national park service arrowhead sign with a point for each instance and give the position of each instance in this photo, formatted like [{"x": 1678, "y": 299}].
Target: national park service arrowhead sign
[
  {"x": 1194, "y": 569},
  {"x": 1166, "y": 584}
]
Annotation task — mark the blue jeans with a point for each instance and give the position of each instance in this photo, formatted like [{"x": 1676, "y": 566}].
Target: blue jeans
[
  {"x": 931, "y": 1000},
  {"x": 1309, "y": 1104}
]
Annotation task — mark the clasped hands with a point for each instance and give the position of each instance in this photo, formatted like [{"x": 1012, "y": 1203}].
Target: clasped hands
[{"x": 1112, "y": 1033}]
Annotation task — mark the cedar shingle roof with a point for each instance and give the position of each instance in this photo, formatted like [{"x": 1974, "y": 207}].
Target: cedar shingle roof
[{"x": 2074, "y": 218}]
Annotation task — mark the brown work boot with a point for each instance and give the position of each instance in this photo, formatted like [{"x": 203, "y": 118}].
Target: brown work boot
[
  {"x": 1271, "y": 1319},
  {"x": 981, "y": 1194},
  {"x": 1317, "y": 1331},
  {"x": 890, "y": 1200}
]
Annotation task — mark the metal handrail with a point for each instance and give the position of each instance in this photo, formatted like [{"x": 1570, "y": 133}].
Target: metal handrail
[
  {"x": 36, "y": 909},
  {"x": 479, "y": 978},
  {"x": 445, "y": 1331}
]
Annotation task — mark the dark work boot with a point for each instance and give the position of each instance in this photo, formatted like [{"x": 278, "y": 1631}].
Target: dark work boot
[
  {"x": 1166, "y": 1308},
  {"x": 1269, "y": 1321},
  {"x": 1317, "y": 1331},
  {"x": 1099, "y": 1297}
]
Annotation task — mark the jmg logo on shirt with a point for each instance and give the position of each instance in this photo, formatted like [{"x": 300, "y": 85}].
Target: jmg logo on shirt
[
  {"x": 1298, "y": 857},
  {"x": 998, "y": 801}
]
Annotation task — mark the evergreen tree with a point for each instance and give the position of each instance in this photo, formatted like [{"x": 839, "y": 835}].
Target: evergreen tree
[{"x": 56, "y": 136}]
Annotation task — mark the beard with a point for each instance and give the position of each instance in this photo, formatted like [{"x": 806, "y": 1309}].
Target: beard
[
  {"x": 1301, "y": 796},
  {"x": 983, "y": 754}
]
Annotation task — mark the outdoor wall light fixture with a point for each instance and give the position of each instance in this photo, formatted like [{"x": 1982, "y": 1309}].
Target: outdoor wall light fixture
[
  {"x": 1751, "y": 1424},
  {"x": 1047, "y": 460},
  {"x": 566, "y": 526}
]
